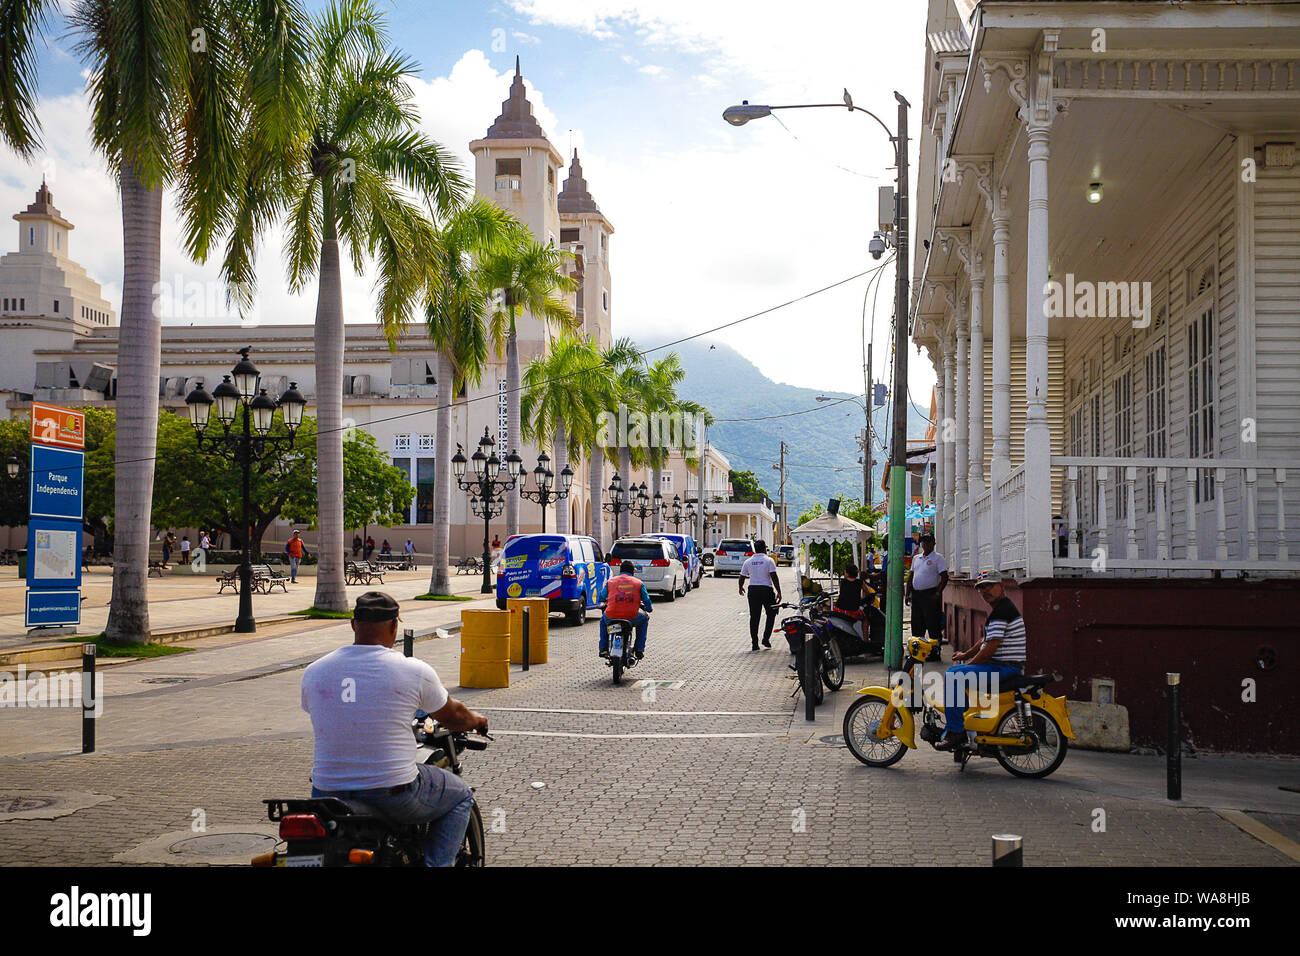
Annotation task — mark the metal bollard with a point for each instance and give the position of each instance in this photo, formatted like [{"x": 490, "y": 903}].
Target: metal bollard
[
  {"x": 527, "y": 629},
  {"x": 1007, "y": 850},
  {"x": 1174, "y": 745},
  {"x": 408, "y": 642},
  {"x": 88, "y": 700}
]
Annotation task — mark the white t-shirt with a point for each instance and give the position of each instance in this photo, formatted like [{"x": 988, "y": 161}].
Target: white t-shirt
[
  {"x": 760, "y": 569},
  {"x": 361, "y": 699},
  {"x": 926, "y": 570},
  {"x": 185, "y": 544}
]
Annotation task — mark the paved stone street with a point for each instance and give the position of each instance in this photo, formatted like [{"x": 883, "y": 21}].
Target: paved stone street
[{"x": 722, "y": 769}]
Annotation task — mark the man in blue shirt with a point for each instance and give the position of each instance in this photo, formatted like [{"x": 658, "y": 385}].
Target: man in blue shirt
[{"x": 625, "y": 606}]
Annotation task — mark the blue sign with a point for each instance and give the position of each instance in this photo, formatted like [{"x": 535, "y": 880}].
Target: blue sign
[
  {"x": 58, "y": 482},
  {"x": 48, "y": 608},
  {"x": 53, "y": 553}
]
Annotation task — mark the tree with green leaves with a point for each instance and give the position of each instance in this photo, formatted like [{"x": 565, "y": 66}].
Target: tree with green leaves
[
  {"x": 171, "y": 86},
  {"x": 533, "y": 277},
  {"x": 659, "y": 399},
  {"x": 745, "y": 486},
  {"x": 366, "y": 184}
]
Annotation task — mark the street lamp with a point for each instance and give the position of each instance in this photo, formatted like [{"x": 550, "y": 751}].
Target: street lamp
[
  {"x": 486, "y": 487},
  {"x": 544, "y": 478},
  {"x": 646, "y": 507},
  {"x": 13, "y": 466},
  {"x": 739, "y": 116},
  {"x": 252, "y": 443},
  {"x": 618, "y": 501}
]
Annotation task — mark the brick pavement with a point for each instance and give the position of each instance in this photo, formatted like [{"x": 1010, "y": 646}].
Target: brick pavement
[{"x": 648, "y": 785}]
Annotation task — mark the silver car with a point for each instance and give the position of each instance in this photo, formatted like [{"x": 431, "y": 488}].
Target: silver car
[
  {"x": 657, "y": 562},
  {"x": 731, "y": 555}
]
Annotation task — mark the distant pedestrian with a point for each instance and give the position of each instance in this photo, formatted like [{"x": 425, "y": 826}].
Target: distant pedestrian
[
  {"x": 386, "y": 549},
  {"x": 205, "y": 544},
  {"x": 370, "y": 547},
  {"x": 168, "y": 541},
  {"x": 185, "y": 549},
  {"x": 496, "y": 549},
  {"x": 296, "y": 551},
  {"x": 764, "y": 592},
  {"x": 410, "y": 552},
  {"x": 356, "y": 546},
  {"x": 924, "y": 591}
]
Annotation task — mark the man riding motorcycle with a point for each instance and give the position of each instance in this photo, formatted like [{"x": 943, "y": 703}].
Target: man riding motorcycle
[
  {"x": 361, "y": 699},
  {"x": 625, "y": 598}
]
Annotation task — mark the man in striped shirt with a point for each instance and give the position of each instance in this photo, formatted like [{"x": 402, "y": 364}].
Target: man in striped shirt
[{"x": 1002, "y": 652}]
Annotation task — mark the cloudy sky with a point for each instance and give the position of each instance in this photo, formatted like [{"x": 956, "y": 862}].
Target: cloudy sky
[{"x": 713, "y": 223}]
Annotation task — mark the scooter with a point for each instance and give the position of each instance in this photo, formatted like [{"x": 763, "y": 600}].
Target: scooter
[
  {"x": 1025, "y": 728},
  {"x": 620, "y": 647}
]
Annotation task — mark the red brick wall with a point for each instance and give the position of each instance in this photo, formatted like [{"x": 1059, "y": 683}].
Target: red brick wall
[{"x": 1216, "y": 634}]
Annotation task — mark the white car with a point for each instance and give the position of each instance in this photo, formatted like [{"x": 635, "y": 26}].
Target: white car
[
  {"x": 657, "y": 562},
  {"x": 731, "y": 555}
]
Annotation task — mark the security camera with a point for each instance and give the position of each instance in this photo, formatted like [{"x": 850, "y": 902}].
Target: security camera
[{"x": 877, "y": 246}]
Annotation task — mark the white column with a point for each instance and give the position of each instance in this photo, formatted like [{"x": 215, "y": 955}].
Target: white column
[
  {"x": 1038, "y": 439},
  {"x": 962, "y": 399},
  {"x": 948, "y": 426},
  {"x": 941, "y": 453},
  {"x": 1000, "y": 466},
  {"x": 975, "y": 476}
]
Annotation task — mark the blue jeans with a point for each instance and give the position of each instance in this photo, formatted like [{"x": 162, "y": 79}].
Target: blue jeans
[
  {"x": 293, "y": 569},
  {"x": 642, "y": 624},
  {"x": 439, "y": 798},
  {"x": 954, "y": 690}
]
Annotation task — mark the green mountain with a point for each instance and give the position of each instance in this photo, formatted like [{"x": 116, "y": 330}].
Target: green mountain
[{"x": 822, "y": 454}]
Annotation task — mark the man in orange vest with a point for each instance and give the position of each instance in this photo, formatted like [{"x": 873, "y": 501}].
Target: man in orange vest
[
  {"x": 625, "y": 598},
  {"x": 296, "y": 551}
]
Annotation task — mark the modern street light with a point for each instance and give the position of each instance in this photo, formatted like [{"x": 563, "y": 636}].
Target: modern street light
[
  {"x": 544, "y": 478},
  {"x": 618, "y": 501},
  {"x": 486, "y": 488},
  {"x": 245, "y": 446},
  {"x": 739, "y": 116}
]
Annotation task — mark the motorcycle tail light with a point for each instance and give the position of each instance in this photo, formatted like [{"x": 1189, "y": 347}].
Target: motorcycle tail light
[
  {"x": 302, "y": 826},
  {"x": 361, "y": 857},
  {"x": 659, "y": 563}
]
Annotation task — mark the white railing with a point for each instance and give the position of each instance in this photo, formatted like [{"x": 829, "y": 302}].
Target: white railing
[
  {"x": 965, "y": 536},
  {"x": 1178, "y": 513},
  {"x": 1011, "y": 508},
  {"x": 982, "y": 530}
]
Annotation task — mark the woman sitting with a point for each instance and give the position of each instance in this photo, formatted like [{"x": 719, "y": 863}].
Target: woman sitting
[{"x": 850, "y": 593}]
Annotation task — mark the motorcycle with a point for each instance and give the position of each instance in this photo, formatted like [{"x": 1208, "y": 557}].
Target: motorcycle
[
  {"x": 863, "y": 631},
  {"x": 1025, "y": 728},
  {"x": 330, "y": 832},
  {"x": 620, "y": 647},
  {"x": 818, "y": 659}
]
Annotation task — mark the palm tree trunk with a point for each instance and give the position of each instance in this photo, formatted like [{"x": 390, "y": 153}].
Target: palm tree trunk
[
  {"x": 560, "y": 450},
  {"x": 439, "y": 582},
  {"x": 625, "y": 468},
  {"x": 139, "y": 358},
  {"x": 512, "y": 426},
  {"x": 331, "y": 593},
  {"x": 596, "y": 481},
  {"x": 657, "y": 522}
]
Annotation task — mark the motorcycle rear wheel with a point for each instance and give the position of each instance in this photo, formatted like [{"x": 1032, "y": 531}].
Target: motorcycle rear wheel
[
  {"x": 832, "y": 664},
  {"x": 616, "y": 665},
  {"x": 473, "y": 850},
  {"x": 860, "y": 722},
  {"x": 1052, "y": 745}
]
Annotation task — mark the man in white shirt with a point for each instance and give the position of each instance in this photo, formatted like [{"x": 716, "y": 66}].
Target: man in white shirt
[
  {"x": 925, "y": 591},
  {"x": 764, "y": 592},
  {"x": 362, "y": 699}
]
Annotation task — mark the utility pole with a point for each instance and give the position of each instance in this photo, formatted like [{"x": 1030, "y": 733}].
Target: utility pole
[
  {"x": 781, "y": 519},
  {"x": 868, "y": 493},
  {"x": 898, "y": 453}
]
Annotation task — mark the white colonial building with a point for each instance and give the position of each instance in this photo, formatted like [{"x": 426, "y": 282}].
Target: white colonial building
[{"x": 1107, "y": 282}]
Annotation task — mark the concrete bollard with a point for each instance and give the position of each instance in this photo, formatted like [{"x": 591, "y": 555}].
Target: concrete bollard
[
  {"x": 1007, "y": 850},
  {"x": 1174, "y": 745},
  {"x": 408, "y": 642},
  {"x": 88, "y": 702}
]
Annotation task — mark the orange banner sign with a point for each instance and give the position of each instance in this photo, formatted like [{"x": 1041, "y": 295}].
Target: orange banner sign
[{"x": 60, "y": 427}]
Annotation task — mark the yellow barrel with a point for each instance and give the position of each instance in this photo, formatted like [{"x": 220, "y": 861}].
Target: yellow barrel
[
  {"x": 539, "y": 626},
  {"x": 484, "y": 648}
]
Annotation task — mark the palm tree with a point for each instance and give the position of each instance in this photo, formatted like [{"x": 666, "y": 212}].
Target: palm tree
[
  {"x": 532, "y": 278},
  {"x": 560, "y": 404},
  {"x": 347, "y": 192},
  {"x": 660, "y": 401},
  {"x": 456, "y": 317},
  {"x": 170, "y": 86}
]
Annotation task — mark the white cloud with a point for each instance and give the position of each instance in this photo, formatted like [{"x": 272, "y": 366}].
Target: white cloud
[{"x": 651, "y": 69}]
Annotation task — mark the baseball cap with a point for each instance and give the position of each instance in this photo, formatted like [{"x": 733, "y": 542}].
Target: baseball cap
[
  {"x": 988, "y": 577},
  {"x": 375, "y": 606}
]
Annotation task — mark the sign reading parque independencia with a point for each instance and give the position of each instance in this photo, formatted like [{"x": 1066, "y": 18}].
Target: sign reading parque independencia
[{"x": 58, "y": 480}]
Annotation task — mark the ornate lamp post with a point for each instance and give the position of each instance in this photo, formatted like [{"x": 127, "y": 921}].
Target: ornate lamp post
[
  {"x": 645, "y": 508},
  {"x": 243, "y": 447},
  {"x": 486, "y": 487},
  {"x": 544, "y": 478},
  {"x": 618, "y": 501}
]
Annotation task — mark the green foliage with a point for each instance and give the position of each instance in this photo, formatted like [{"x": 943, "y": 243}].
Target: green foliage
[
  {"x": 745, "y": 486},
  {"x": 819, "y": 554},
  {"x": 15, "y": 439}
]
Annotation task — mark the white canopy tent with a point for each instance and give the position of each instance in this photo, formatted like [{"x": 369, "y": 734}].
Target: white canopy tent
[{"x": 833, "y": 529}]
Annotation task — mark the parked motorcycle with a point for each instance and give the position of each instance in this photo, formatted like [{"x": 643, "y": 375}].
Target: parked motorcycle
[
  {"x": 1025, "y": 728},
  {"x": 620, "y": 647},
  {"x": 815, "y": 645},
  {"x": 328, "y": 831}
]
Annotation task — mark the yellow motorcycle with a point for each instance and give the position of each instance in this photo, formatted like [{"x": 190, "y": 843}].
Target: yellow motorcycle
[{"x": 1025, "y": 728}]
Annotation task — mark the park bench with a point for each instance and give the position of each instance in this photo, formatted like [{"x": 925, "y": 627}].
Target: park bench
[
  {"x": 395, "y": 562},
  {"x": 362, "y": 572},
  {"x": 228, "y": 579},
  {"x": 265, "y": 577},
  {"x": 469, "y": 565}
]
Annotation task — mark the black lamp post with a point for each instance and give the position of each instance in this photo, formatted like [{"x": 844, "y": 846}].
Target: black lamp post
[
  {"x": 252, "y": 443},
  {"x": 618, "y": 502},
  {"x": 544, "y": 478},
  {"x": 644, "y": 507},
  {"x": 13, "y": 466},
  {"x": 676, "y": 515},
  {"x": 486, "y": 489}
]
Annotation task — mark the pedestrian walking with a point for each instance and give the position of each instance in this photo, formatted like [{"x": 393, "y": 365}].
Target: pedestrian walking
[
  {"x": 764, "y": 592},
  {"x": 410, "y": 553},
  {"x": 168, "y": 540},
  {"x": 296, "y": 551},
  {"x": 205, "y": 544},
  {"x": 185, "y": 549},
  {"x": 924, "y": 591}
]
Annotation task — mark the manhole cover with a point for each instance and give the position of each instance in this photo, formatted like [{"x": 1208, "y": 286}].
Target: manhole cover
[
  {"x": 222, "y": 844},
  {"x": 837, "y": 739},
  {"x": 167, "y": 680},
  {"x": 15, "y": 804}
]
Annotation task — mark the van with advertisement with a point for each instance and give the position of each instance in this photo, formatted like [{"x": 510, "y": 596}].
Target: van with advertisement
[{"x": 566, "y": 569}]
